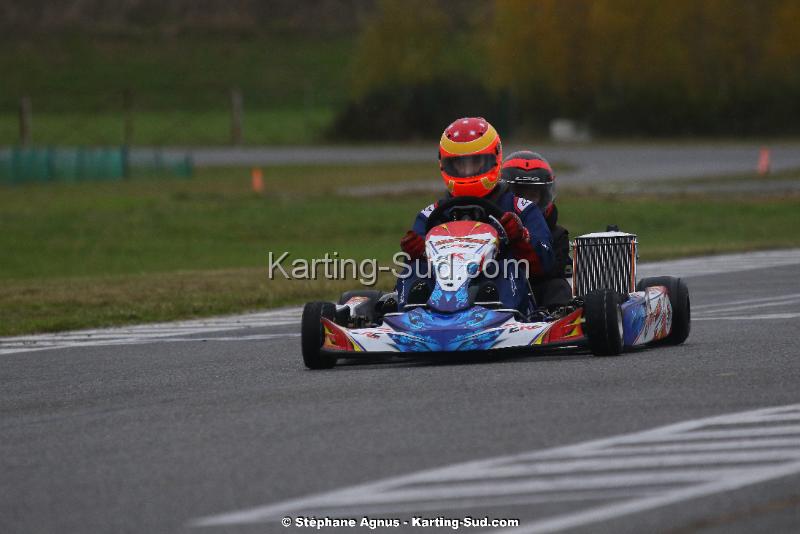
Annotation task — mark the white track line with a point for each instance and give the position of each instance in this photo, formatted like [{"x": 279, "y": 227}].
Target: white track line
[
  {"x": 721, "y": 309},
  {"x": 150, "y": 333},
  {"x": 146, "y": 340},
  {"x": 761, "y": 317},
  {"x": 604, "y": 513},
  {"x": 669, "y": 464},
  {"x": 726, "y": 263},
  {"x": 676, "y": 459},
  {"x": 773, "y": 443},
  {"x": 788, "y": 299}
]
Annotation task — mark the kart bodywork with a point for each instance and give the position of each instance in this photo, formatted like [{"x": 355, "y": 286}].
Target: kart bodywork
[
  {"x": 646, "y": 317},
  {"x": 609, "y": 311}
]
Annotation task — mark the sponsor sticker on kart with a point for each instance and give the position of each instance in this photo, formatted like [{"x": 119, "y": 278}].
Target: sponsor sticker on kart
[{"x": 466, "y": 242}]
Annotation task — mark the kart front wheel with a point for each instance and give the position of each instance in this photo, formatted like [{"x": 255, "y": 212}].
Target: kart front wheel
[
  {"x": 312, "y": 334},
  {"x": 603, "y": 326},
  {"x": 681, "y": 306}
]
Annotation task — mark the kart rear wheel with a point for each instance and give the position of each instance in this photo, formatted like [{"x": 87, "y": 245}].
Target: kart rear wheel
[
  {"x": 312, "y": 334},
  {"x": 681, "y": 306},
  {"x": 603, "y": 325}
]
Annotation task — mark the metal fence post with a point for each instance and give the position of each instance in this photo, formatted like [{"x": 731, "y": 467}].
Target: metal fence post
[
  {"x": 127, "y": 117},
  {"x": 25, "y": 120},
  {"x": 236, "y": 116}
]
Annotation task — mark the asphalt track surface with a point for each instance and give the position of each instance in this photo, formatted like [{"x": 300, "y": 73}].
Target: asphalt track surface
[
  {"x": 200, "y": 431},
  {"x": 592, "y": 163}
]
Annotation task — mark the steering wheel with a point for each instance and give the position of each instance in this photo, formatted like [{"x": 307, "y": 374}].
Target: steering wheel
[{"x": 489, "y": 213}]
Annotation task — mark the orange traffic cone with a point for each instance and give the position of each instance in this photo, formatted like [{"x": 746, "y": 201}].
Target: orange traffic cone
[
  {"x": 257, "y": 179},
  {"x": 763, "y": 161}
]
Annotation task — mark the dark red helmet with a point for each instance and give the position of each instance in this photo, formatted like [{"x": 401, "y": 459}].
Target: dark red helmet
[{"x": 530, "y": 177}]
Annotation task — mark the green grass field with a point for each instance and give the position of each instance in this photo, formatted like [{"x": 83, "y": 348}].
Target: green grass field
[{"x": 92, "y": 254}]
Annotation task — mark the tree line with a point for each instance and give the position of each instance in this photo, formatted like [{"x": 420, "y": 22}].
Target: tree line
[{"x": 626, "y": 67}]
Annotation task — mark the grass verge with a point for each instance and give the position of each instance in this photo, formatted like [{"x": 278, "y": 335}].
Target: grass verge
[{"x": 95, "y": 254}]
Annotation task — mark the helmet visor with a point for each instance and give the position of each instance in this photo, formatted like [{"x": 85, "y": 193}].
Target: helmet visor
[
  {"x": 466, "y": 166},
  {"x": 514, "y": 175},
  {"x": 541, "y": 194}
]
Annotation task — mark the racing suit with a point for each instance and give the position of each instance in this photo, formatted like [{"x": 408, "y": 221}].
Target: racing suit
[
  {"x": 512, "y": 290},
  {"x": 551, "y": 288}
]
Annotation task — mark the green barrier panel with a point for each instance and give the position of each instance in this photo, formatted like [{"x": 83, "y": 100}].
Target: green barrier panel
[
  {"x": 115, "y": 159},
  {"x": 86, "y": 167},
  {"x": 65, "y": 165},
  {"x": 183, "y": 168},
  {"x": 6, "y": 173},
  {"x": 109, "y": 164},
  {"x": 100, "y": 164},
  {"x": 29, "y": 165},
  {"x": 23, "y": 165}
]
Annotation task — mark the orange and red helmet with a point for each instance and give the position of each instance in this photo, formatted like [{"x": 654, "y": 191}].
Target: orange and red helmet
[{"x": 470, "y": 155}]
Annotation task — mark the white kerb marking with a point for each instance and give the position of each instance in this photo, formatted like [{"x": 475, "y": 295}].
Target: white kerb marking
[{"x": 157, "y": 332}]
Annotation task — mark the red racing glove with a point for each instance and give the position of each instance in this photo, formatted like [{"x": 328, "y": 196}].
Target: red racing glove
[
  {"x": 519, "y": 241},
  {"x": 512, "y": 224},
  {"x": 413, "y": 245}
]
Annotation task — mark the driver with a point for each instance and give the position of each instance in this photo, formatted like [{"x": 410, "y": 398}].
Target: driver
[
  {"x": 470, "y": 156},
  {"x": 531, "y": 177}
]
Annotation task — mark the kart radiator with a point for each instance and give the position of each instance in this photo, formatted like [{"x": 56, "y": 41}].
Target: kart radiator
[{"x": 604, "y": 260}]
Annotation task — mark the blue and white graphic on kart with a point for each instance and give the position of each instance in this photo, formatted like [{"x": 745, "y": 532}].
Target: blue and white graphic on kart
[{"x": 457, "y": 253}]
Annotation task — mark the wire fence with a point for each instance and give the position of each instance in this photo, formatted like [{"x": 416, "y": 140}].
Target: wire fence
[{"x": 127, "y": 117}]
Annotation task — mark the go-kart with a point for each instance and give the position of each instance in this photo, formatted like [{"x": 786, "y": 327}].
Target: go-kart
[{"x": 609, "y": 311}]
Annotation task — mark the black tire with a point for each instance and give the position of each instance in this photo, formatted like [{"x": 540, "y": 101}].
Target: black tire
[
  {"x": 312, "y": 335},
  {"x": 681, "y": 306},
  {"x": 603, "y": 322}
]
